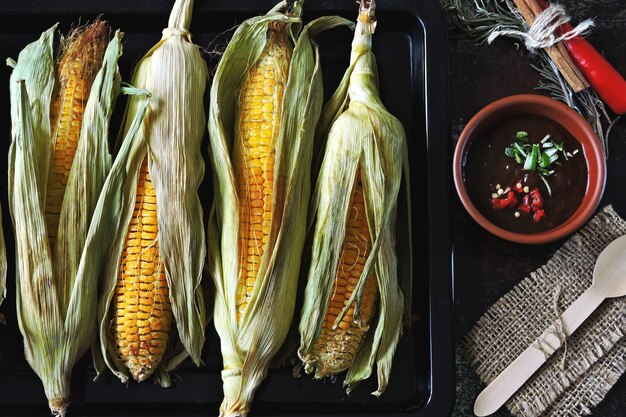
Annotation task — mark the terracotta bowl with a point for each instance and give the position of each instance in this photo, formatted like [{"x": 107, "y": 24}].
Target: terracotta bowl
[{"x": 562, "y": 115}]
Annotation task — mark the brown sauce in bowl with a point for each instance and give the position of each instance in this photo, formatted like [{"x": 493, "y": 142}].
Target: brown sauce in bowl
[{"x": 486, "y": 166}]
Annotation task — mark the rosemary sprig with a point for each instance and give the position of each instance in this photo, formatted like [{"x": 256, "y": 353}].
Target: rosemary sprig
[
  {"x": 585, "y": 102},
  {"x": 477, "y": 19}
]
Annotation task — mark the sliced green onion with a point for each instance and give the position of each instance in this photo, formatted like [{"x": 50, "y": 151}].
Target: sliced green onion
[
  {"x": 538, "y": 156},
  {"x": 545, "y": 138},
  {"x": 521, "y": 135},
  {"x": 519, "y": 148},
  {"x": 545, "y": 181},
  {"x": 531, "y": 160},
  {"x": 551, "y": 151}
]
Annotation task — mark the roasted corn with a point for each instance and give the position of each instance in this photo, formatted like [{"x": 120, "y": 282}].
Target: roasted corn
[
  {"x": 57, "y": 167},
  {"x": 261, "y": 149},
  {"x": 152, "y": 311},
  {"x": 356, "y": 295}
]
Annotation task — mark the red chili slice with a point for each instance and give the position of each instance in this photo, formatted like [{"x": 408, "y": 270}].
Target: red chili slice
[
  {"x": 524, "y": 207},
  {"x": 534, "y": 193},
  {"x": 539, "y": 214},
  {"x": 498, "y": 203},
  {"x": 511, "y": 200},
  {"x": 537, "y": 203},
  {"x": 536, "y": 199}
]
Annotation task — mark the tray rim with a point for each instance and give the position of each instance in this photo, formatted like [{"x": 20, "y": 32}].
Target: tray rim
[
  {"x": 440, "y": 325},
  {"x": 441, "y": 297}
]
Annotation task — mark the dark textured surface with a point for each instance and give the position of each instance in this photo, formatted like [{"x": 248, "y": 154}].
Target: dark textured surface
[{"x": 480, "y": 74}]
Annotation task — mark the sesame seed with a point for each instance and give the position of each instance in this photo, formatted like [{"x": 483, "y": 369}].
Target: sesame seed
[
  {"x": 500, "y": 191},
  {"x": 494, "y": 195},
  {"x": 516, "y": 214},
  {"x": 527, "y": 189}
]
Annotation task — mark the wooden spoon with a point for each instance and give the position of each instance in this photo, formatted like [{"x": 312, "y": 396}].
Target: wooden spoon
[{"x": 609, "y": 281}]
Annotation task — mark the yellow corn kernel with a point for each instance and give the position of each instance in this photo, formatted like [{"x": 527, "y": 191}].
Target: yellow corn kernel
[
  {"x": 142, "y": 306},
  {"x": 336, "y": 347},
  {"x": 77, "y": 68},
  {"x": 261, "y": 104}
]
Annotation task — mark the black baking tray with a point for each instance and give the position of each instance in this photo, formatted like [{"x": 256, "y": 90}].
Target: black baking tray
[{"x": 410, "y": 45}]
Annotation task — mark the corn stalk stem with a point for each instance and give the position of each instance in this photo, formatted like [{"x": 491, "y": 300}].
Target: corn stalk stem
[{"x": 180, "y": 17}]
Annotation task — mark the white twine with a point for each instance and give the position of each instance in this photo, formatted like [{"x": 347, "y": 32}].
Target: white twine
[
  {"x": 175, "y": 31},
  {"x": 542, "y": 32},
  {"x": 556, "y": 329}
]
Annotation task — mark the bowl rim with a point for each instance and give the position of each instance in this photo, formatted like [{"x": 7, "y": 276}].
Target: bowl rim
[{"x": 592, "y": 150}]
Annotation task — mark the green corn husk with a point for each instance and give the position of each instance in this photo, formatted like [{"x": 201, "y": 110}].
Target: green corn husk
[
  {"x": 360, "y": 134},
  {"x": 56, "y": 294},
  {"x": 175, "y": 74},
  {"x": 249, "y": 345}
]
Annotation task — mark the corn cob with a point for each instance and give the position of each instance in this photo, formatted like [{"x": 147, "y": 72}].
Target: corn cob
[
  {"x": 338, "y": 343},
  {"x": 151, "y": 285},
  {"x": 78, "y": 65},
  {"x": 353, "y": 282},
  {"x": 261, "y": 105},
  {"x": 261, "y": 146},
  {"x": 56, "y": 297},
  {"x": 143, "y": 313}
]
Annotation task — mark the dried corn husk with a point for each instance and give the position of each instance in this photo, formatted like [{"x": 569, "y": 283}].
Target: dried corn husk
[
  {"x": 360, "y": 134},
  {"x": 3, "y": 263},
  {"x": 174, "y": 72},
  {"x": 249, "y": 344},
  {"x": 56, "y": 294}
]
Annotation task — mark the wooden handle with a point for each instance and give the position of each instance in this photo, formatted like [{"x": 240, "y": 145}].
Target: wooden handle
[
  {"x": 509, "y": 381},
  {"x": 581, "y": 309},
  {"x": 525, "y": 365}
]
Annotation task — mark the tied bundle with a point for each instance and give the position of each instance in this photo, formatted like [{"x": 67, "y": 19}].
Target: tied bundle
[
  {"x": 354, "y": 304},
  {"x": 568, "y": 63},
  {"x": 265, "y": 102},
  {"x": 152, "y": 311},
  {"x": 58, "y": 162}
]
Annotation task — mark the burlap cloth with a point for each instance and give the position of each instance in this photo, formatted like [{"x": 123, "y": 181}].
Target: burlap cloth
[{"x": 595, "y": 355}]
